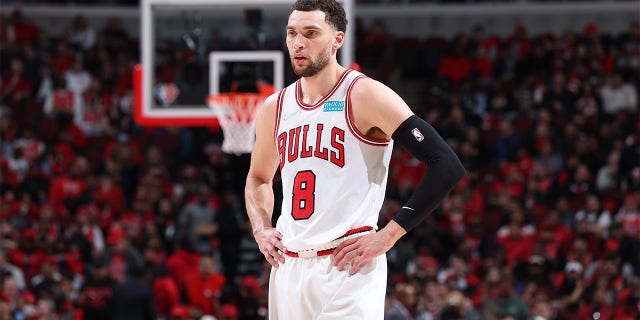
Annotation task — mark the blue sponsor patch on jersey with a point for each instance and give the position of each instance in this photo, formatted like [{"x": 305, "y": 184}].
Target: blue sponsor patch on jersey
[{"x": 333, "y": 106}]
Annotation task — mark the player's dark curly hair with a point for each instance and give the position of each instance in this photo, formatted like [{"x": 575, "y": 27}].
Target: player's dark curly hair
[{"x": 334, "y": 12}]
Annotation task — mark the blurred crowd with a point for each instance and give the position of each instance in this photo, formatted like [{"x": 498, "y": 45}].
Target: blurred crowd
[
  {"x": 380, "y": 2},
  {"x": 103, "y": 219}
]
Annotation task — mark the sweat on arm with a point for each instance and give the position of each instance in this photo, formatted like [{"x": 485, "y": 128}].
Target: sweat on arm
[{"x": 444, "y": 170}]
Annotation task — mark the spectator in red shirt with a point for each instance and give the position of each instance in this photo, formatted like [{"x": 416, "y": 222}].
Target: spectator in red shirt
[
  {"x": 517, "y": 237},
  {"x": 32, "y": 147},
  {"x": 182, "y": 262},
  {"x": 62, "y": 59},
  {"x": 553, "y": 236},
  {"x": 406, "y": 170},
  {"x": 251, "y": 299},
  {"x": 109, "y": 194},
  {"x": 47, "y": 224},
  {"x": 25, "y": 30},
  {"x": 482, "y": 68},
  {"x": 60, "y": 158},
  {"x": 520, "y": 41},
  {"x": 28, "y": 255},
  {"x": 456, "y": 65},
  {"x": 485, "y": 53},
  {"x": 166, "y": 293},
  {"x": 133, "y": 221},
  {"x": 229, "y": 311},
  {"x": 15, "y": 87},
  {"x": 123, "y": 256},
  {"x": 72, "y": 134},
  {"x": 487, "y": 46},
  {"x": 204, "y": 286},
  {"x": 181, "y": 312},
  {"x": 70, "y": 188}
]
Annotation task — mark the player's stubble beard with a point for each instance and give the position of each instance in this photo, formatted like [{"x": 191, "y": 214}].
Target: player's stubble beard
[{"x": 314, "y": 66}]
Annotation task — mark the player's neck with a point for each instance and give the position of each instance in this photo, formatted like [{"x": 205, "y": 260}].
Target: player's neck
[{"x": 316, "y": 87}]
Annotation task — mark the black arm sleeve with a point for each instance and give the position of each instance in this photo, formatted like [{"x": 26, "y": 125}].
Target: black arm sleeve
[{"x": 444, "y": 169}]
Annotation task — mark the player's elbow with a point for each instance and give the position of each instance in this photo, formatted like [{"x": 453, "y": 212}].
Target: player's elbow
[
  {"x": 453, "y": 168},
  {"x": 255, "y": 181}
]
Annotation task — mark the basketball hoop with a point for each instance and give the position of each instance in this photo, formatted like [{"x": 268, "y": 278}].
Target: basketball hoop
[{"x": 236, "y": 113}]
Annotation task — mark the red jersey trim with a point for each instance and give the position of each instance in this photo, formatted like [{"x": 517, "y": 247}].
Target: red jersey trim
[
  {"x": 352, "y": 126},
  {"x": 319, "y": 253},
  {"x": 325, "y": 98},
  {"x": 279, "y": 108},
  {"x": 356, "y": 230}
]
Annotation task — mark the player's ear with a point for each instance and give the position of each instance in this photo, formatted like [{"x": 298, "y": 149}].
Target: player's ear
[{"x": 338, "y": 40}]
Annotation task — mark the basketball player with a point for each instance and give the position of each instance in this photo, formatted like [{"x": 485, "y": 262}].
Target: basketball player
[{"x": 331, "y": 135}]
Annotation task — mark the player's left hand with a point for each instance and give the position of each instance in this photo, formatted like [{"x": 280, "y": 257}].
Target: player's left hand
[{"x": 360, "y": 250}]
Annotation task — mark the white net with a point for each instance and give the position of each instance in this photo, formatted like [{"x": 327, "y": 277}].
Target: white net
[{"x": 236, "y": 113}]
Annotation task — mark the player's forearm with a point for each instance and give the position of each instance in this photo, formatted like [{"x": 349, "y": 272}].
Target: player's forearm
[
  {"x": 443, "y": 173},
  {"x": 259, "y": 198}
]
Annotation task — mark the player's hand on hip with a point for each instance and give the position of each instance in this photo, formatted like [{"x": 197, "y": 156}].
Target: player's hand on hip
[
  {"x": 360, "y": 250},
  {"x": 270, "y": 241}
]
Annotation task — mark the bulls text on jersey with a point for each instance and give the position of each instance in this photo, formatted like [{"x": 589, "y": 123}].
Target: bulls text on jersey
[{"x": 296, "y": 143}]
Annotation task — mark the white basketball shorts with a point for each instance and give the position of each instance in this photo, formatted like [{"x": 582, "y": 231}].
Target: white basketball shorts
[{"x": 312, "y": 288}]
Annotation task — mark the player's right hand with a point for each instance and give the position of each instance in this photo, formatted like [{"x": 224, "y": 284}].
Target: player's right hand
[{"x": 270, "y": 244}]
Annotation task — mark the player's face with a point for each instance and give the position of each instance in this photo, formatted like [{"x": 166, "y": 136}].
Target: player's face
[{"x": 311, "y": 41}]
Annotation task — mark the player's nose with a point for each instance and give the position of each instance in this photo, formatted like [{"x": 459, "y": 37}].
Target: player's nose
[{"x": 298, "y": 42}]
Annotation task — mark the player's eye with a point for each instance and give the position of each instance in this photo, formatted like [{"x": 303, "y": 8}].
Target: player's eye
[
  {"x": 312, "y": 33},
  {"x": 291, "y": 33}
]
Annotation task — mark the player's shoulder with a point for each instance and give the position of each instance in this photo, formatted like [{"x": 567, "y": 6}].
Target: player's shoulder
[
  {"x": 271, "y": 102},
  {"x": 272, "y": 99},
  {"x": 366, "y": 87},
  {"x": 269, "y": 106}
]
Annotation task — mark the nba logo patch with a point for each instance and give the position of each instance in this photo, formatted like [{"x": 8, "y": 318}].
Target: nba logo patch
[
  {"x": 417, "y": 134},
  {"x": 166, "y": 93}
]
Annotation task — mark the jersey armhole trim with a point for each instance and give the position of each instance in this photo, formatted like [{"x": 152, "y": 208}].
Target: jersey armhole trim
[
  {"x": 351, "y": 124},
  {"x": 278, "y": 112}
]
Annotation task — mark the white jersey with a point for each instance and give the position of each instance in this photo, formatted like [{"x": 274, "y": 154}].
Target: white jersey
[{"x": 333, "y": 176}]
